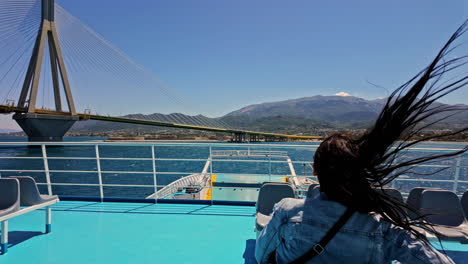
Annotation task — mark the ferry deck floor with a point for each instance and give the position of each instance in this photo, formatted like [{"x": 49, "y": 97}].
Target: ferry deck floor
[{"x": 91, "y": 232}]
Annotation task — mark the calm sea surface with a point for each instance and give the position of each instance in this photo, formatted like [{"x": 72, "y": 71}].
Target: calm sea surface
[{"x": 140, "y": 172}]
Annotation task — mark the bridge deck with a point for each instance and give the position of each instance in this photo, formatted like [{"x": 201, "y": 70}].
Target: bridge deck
[{"x": 5, "y": 109}]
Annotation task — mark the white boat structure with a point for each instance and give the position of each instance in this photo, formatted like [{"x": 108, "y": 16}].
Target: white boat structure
[{"x": 240, "y": 187}]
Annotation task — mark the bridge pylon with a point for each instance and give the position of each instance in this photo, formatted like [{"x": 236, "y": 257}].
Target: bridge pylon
[{"x": 40, "y": 127}]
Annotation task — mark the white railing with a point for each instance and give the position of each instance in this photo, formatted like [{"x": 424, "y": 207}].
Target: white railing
[
  {"x": 256, "y": 151},
  {"x": 193, "y": 181},
  {"x": 249, "y": 153}
]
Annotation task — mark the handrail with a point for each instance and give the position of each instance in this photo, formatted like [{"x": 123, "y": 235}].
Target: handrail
[{"x": 217, "y": 157}]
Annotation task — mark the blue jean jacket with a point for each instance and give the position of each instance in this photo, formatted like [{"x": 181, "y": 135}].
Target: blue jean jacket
[{"x": 297, "y": 224}]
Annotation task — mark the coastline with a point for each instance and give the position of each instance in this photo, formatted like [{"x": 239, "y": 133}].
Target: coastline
[
  {"x": 152, "y": 140},
  {"x": 201, "y": 139}
]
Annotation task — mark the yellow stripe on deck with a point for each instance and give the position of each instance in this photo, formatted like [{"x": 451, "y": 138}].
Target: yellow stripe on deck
[
  {"x": 209, "y": 193},
  {"x": 285, "y": 179}
]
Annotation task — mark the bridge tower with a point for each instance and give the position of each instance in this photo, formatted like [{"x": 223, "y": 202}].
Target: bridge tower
[{"x": 46, "y": 127}]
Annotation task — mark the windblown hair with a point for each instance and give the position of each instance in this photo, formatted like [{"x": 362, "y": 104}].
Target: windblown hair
[{"x": 353, "y": 171}]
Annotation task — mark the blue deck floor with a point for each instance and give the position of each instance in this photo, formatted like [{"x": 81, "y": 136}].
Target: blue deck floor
[{"x": 88, "y": 232}]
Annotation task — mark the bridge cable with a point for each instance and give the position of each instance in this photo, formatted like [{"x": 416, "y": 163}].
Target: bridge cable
[
  {"x": 85, "y": 52},
  {"x": 106, "y": 61},
  {"x": 24, "y": 48},
  {"x": 19, "y": 24}
]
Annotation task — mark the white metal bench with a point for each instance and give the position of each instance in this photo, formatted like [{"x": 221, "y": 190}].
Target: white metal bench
[{"x": 32, "y": 200}]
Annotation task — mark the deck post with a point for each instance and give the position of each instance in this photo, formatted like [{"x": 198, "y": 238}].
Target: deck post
[
  {"x": 211, "y": 175},
  {"x": 269, "y": 167},
  {"x": 155, "y": 182},
  {"x": 457, "y": 174},
  {"x": 4, "y": 241},
  {"x": 48, "y": 220},
  {"x": 46, "y": 169},
  {"x": 98, "y": 163}
]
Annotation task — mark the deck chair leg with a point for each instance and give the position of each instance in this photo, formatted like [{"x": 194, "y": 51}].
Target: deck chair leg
[
  {"x": 4, "y": 240},
  {"x": 48, "y": 219}
]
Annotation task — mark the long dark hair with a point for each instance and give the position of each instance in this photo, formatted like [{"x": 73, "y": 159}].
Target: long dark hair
[{"x": 351, "y": 170}]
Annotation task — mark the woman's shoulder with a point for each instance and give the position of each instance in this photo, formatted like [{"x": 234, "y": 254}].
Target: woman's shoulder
[{"x": 289, "y": 204}]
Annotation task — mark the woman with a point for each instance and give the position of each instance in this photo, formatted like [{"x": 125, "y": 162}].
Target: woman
[{"x": 352, "y": 172}]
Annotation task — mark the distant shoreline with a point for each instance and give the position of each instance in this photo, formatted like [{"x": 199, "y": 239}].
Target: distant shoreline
[
  {"x": 129, "y": 139},
  {"x": 151, "y": 140}
]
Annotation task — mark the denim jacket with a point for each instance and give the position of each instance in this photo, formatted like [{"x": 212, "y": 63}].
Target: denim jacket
[{"x": 297, "y": 224}]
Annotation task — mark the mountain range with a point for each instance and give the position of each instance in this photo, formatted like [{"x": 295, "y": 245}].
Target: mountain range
[
  {"x": 294, "y": 116},
  {"x": 331, "y": 111}
]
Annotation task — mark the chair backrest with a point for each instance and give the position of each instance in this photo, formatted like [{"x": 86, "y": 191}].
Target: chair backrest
[
  {"x": 391, "y": 192},
  {"x": 414, "y": 199},
  {"x": 464, "y": 203},
  {"x": 9, "y": 193},
  {"x": 29, "y": 192},
  {"x": 270, "y": 194},
  {"x": 313, "y": 191},
  {"x": 443, "y": 207}
]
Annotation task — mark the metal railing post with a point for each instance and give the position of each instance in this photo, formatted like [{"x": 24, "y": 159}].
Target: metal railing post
[
  {"x": 4, "y": 237},
  {"x": 211, "y": 176},
  {"x": 48, "y": 219},
  {"x": 457, "y": 174},
  {"x": 46, "y": 169},
  {"x": 312, "y": 177},
  {"x": 392, "y": 174},
  {"x": 98, "y": 163},
  {"x": 269, "y": 168},
  {"x": 155, "y": 182}
]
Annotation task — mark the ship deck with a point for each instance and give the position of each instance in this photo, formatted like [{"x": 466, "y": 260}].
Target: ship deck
[
  {"x": 239, "y": 187},
  {"x": 91, "y": 232}
]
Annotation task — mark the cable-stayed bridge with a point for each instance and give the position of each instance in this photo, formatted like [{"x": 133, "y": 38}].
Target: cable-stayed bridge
[{"x": 45, "y": 52}]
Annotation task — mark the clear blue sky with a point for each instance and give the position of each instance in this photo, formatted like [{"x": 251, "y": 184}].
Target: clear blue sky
[{"x": 221, "y": 55}]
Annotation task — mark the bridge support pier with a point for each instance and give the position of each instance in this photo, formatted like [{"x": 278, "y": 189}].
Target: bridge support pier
[
  {"x": 239, "y": 137},
  {"x": 40, "y": 127},
  {"x": 254, "y": 138}
]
